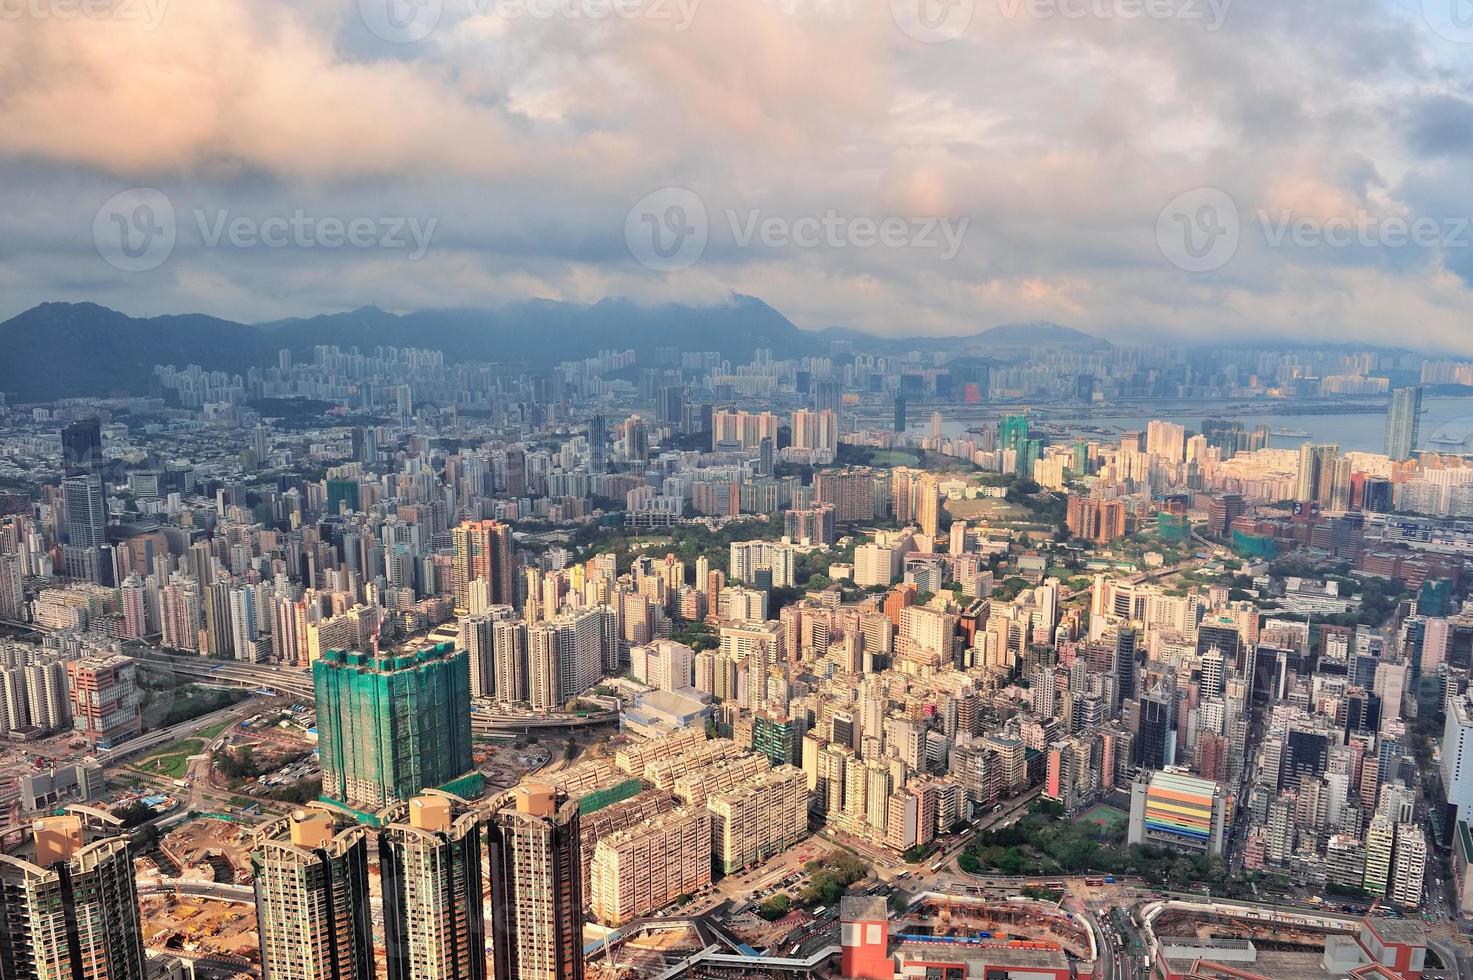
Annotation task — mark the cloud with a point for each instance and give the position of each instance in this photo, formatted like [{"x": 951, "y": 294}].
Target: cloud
[{"x": 1059, "y": 139}]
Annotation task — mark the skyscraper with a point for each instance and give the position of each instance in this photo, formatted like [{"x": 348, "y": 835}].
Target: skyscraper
[
  {"x": 1317, "y": 468},
  {"x": 636, "y": 441},
  {"x": 312, "y": 911},
  {"x": 12, "y": 590},
  {"x": 484, "y": 550},
  {"x": 1403, "y": 420},
  {"x": 390, "y": 726},
  {"x": 828, "y": 395},
  {"x": 434, "y": 918},
  {"x": 70, "y": 905},
  {"x": 81, "y": 447},
  {"x": 86, "y": 511},
  {"x": 536, "y": 887},
  {"x": 598, "y": 444}
]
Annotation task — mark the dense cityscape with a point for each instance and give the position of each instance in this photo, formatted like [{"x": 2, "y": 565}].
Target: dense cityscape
[
  {"x": 736, "y": 490},
  {"x": 1054, "y": 662}
]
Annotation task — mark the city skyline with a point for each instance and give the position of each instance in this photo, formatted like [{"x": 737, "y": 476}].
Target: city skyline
[{"x": 711, "y": 489}]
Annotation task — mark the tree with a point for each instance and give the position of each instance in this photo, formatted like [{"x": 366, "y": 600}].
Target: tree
[
  {"x": 134, "y": 814},
  {"x": 831, "y": 875},
  {"x": 774, "y": 907}
]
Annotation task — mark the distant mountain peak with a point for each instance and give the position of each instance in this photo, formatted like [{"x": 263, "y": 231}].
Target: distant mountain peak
[{"x": 1039, "y": 332}]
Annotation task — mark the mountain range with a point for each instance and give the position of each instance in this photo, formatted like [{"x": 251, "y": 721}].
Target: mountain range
[{"x": 60, "y": 350}]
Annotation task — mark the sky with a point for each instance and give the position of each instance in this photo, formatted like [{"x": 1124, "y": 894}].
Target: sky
[{"x": 1145, "y": 170}]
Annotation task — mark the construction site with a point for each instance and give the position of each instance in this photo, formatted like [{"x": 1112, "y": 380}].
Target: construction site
[
  {"x": 201, "y": 930},
  {"x": 1193, "y": 939},
  {"x": 1018, "y": 923}
]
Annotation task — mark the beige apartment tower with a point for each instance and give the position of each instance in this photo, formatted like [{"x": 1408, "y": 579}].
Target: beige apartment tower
[
  {"x": 311, "y": 878},
  {"x": 532, "y": 851},
  {"x": 759, "y": 819},
  {"x": 434, "y": 909},
  {"x": 70, "y": 906},
  {"x": 646, "y": 867}
]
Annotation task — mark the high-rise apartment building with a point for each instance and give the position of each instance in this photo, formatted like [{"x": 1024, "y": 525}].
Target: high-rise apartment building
[
  {"x": 758, "y": 819},
  {"x": 1318, "y": 466},
  {"x": 392, "y": 725},
  {"x": 1403, "y": 422},
  {"x": 851, "y": 492},
  {"x": 646, "y": 867},
  {"x": 484, "y": 550},
  {"x": 1095, "y": 519},
  {"x": 312, "y": 910},
  {"x": 564, "y": 657},
  {"x": 1380, "y": 845},
  {"x": 536, "y": 886},
  {"x": 434, "y": 909},
  {"x": 12, "y": 589},
  {"x": 777, "y": 560},
  {"x": 70, "y": 908},
  {"x": 1408, "y": 866},
  {"x": 817, "y": 431}
]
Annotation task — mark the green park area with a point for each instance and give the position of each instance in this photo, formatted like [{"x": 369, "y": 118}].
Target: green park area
[
  {"x": 173, "y": 759},
  {"x": 1044, "y": 843},
  {"x": 1106, "y": 817},
  {"x": 893, "y": 457},
  {"x": 829, "y": 877}
]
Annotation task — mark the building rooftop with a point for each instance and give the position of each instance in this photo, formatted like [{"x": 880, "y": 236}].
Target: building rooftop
[
  {"x": 1410, "y": 932},
  {"x": 863, "y": 908}
]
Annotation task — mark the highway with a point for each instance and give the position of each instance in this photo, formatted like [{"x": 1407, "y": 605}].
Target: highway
[
  {"x": 164, "y": 736},
  {"x": 298, "y": 684}
]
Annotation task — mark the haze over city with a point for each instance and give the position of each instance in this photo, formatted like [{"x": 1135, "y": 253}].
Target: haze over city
[
  {"x": 525, "y": 137},
  {"x": 716, "y": 489}
]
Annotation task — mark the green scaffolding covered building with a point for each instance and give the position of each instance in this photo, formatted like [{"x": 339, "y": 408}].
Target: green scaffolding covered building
[{"x": 391, "y": 725}]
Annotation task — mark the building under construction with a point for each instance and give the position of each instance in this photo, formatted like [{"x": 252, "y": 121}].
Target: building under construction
[{"x": 392, "y": 725}]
